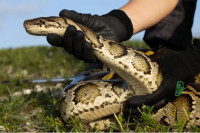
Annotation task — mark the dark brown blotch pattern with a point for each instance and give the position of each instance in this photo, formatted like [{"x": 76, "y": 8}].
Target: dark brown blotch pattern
[
  {"x": 141, "y": 64},
  {"x": 86, "y": 93},
  {"x": 117, "y": 50}
]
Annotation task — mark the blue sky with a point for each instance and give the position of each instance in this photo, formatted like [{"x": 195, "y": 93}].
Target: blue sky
[{"x": 14, "y": 12}]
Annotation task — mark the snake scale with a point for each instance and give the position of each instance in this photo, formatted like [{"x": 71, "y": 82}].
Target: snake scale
[{"x": 91, "y": 100}]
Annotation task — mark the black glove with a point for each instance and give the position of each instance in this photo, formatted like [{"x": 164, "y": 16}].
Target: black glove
[
  {"x": 115, "y": 25},
  {"x": 180, "y": 66}
]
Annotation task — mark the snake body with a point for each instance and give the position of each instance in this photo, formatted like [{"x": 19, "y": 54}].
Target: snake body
[
  {"x": 185, "y": 108},
  {"x": 92, "y": 100}
]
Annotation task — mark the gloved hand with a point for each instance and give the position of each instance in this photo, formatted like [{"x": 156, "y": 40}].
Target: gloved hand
[
  {"x": 115, "y": 25},
  {"x": 179, "y": 66}
]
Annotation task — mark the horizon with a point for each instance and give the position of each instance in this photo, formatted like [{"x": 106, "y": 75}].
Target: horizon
[{"x": 13, "y": 13}]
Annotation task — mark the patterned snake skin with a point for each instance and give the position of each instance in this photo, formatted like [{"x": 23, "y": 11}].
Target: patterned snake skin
[
  {"x": 91, "y": 100},
  {"x": 186, "y": 107}
]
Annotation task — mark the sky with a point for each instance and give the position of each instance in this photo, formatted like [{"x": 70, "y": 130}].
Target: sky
[{"x": 14, "y": 12}]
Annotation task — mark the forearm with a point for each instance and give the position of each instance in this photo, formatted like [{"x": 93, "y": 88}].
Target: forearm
[{"x": 146, "y": 13}]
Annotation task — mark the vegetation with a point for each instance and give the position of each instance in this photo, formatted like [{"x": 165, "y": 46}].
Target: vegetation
[{"x": 39, "y": 111}]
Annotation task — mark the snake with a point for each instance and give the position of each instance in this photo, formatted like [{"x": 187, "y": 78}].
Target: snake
[
  {"x": 91, "y": 100},
  {"x": 185, "y": 108}
]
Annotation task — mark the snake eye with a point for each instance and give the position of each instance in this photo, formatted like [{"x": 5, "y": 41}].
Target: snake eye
[{"x": 39, "y": 23}]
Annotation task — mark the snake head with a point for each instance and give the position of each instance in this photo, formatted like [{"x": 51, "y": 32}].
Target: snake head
[{"x": 43, "y": 26}]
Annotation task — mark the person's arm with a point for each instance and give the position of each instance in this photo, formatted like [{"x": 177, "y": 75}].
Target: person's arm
[
  {"x": 118, "y": 25},
  {"x": 146, "y": 13}
]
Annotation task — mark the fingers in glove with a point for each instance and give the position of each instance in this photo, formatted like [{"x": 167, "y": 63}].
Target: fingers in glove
[
  {"x": 78, "y": 45},
  {"x": 55, "y": 40},
  {"x": 68, "y": 38},
  {"x": 161, "y": 103},
  {"x": 137, "y": 110},
  {"x": 127, "y": 111},
  {"x": 149, "y": 99},
  {"x": 88, "y": 53},
  {"x": 71, "y": 15},
  {"x": 84, "y": 19}
]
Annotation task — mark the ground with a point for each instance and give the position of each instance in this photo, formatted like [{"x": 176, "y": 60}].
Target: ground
[{"x": 37, "y": 108}]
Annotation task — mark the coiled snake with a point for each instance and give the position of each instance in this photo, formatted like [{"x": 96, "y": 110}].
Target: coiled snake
[{"x": 94, "y": 99}]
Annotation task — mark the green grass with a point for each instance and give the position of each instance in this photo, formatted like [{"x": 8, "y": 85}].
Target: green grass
[{"x": 40, "y": 111}]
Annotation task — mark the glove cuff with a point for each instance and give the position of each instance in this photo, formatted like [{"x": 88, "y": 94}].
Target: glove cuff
[{"x": 121, "y": 15}]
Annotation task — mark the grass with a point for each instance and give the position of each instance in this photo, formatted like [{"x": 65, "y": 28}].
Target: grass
[{"x": 39, "y": 111}]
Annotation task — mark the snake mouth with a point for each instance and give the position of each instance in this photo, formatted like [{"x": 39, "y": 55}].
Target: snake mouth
[
  {"x": 30, "y": 26},
  {"x": 44, "y": 26},
  {"x": 33, "y": 26},
  {"x": 26, "y": 25}
]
